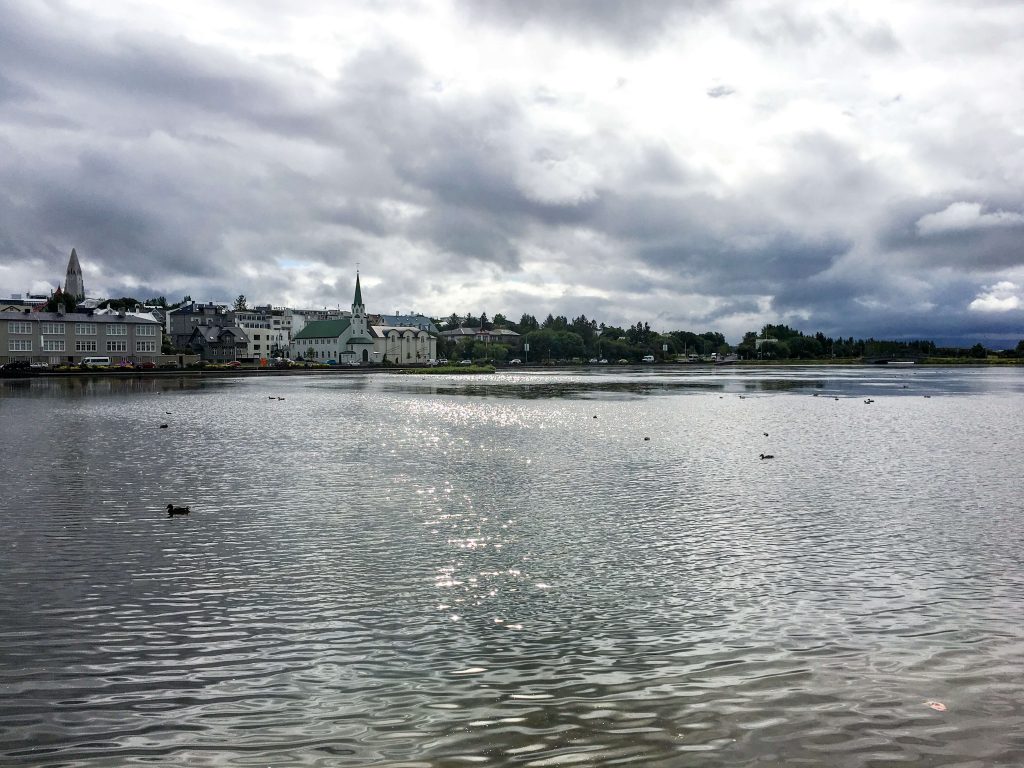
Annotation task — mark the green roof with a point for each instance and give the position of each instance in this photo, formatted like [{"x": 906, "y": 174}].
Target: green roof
[
  {"x": 323, "y": 329},
  {"x": 359, "y": 340},
  {"x": 359, "y": 294}
]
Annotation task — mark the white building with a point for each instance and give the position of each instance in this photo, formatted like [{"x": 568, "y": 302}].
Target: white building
[{"x": 344, "y": 340}]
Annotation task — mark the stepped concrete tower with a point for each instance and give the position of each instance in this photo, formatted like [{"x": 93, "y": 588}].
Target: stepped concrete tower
[{"x": 74, "y": 285}]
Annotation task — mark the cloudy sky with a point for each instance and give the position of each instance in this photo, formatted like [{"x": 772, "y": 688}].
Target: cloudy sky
[{"x": 850, "y": 167}]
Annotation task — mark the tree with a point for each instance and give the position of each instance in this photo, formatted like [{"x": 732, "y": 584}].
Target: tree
[
  {"x": 747, "y": 348},
  {"x": 978, "y": 351},
  {"x": 500, "y": 321},
  {"x": 586, "y": 329},
  {"x": 527, "y": 323},
  {"x": 612, "y": 332},
  {"x": 240, "y": 305}
]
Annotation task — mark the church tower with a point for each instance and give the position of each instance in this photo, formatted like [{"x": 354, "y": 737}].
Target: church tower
[
  {"x": 358, "y": 312},
  {"x": 74, "y": 285},
  {"x": 357, "y": 302}
]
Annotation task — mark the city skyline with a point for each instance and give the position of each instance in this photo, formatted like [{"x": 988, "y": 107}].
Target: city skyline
[{"x": 698, "y": 166}]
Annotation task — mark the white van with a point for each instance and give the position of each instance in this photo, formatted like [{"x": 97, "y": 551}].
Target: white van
[
  {"x": 648, "y": 358},
  {"x": 95, "y": 361}
]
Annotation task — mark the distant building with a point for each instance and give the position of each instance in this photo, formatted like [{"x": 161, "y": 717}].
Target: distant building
[
  {"x": 403, "y": 345},
  {"x": 74, "y": 284},
  {"x": 420, "y": 322},
  {"x": 267, "y": 335},
  {"x": 60, "y": 338},
  {"x": 181, "y": 321},
  {"x": 219, "y": 343},
  {"x": 495, "y": 335},
  {"x": 352, "y": 340}
]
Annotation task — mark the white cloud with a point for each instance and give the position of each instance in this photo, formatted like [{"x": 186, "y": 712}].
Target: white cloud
[
  {"x": 1001, "y": 297},
  {"x": 961, "y": 217}
]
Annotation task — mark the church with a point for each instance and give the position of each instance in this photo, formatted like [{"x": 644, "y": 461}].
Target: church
[{"x": 353, "y": 340}]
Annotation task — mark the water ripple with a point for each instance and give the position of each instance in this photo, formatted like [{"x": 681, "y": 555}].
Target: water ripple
[{"x": 502, "y": 571}]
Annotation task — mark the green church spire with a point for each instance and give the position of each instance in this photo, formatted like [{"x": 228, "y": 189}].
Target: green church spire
[{"x": 358, "y": 301}]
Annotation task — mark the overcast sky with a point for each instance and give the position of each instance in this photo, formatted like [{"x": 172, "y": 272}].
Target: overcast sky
[{"x": 850, "y": 167}]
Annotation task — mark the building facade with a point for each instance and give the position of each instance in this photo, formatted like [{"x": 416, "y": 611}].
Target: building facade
[
  {"x": 58, "y": 338},
  {"x": 403, "y": 345},
  {"x": 345, "y": 340}
]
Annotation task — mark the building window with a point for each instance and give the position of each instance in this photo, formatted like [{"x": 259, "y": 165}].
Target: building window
[
  {"x": 53, "y": 345},
  {"x": 85, "y": 346},
  {"x": 255, "y": 337},
  {"x": 17, "y": 326},
  {"x": 117, "y": 329},
  {"x": 117, "y": 346},
  {"x": 19, "y": 345},
  {"x": 86, "y": 329},
  {"x": 145, "y": 330},
  {"x": 145, "y": 346},
  {"x": 51, "y": 328}
]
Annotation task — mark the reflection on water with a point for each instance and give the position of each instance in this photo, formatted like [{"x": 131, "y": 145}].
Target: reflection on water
[{"x": 398, "y": 570}]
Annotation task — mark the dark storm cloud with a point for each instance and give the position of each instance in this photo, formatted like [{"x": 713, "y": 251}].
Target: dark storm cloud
[{"x": 171, "y": 163}]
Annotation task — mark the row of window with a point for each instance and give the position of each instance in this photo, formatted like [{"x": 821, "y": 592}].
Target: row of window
[
  {"x": 58, "y": 345},
  {"x": 81, "y": 329}
]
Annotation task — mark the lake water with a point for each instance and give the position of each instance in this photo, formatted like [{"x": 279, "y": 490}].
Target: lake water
[{"x": 504, "y": 571}]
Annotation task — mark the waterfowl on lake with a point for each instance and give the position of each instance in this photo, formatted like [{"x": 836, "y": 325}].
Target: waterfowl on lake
[
  {"x": 173, "y": 510},
  {"x": 766, "y": 456},
  {"x": 163, "y": 426},
  {"x": 646, "y": 439},
  {"x": 765, "y": 434}
]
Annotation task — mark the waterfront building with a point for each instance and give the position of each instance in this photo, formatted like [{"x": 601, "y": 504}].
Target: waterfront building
[
  {"x": 403, "y": 345},
  {"x": 182, "y": 321},
  {"x": 219, "y": 343},
  {"x": 267, "y": 337},
  {"x": 60, "y": 338},
  {"x": 345, "y": 340}
]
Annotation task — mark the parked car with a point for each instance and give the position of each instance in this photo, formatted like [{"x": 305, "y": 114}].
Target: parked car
[
  {"x": 465, "y": 362},
  {"x": 515, "y": 361},
  {"x": 148, "y": 365},
  {"x": 602, "y": 361},
  {"x": 648, "y": 358},
  {"x": 233, "y": 364}
]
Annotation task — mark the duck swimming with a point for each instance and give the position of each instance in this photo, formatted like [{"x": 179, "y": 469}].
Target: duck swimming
[
  {"x": 173, "y": 510},
  {"x": 767, "y": 456}
]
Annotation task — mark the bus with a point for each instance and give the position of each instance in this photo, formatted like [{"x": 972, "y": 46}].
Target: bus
[{"x": 95, "y": 361}]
